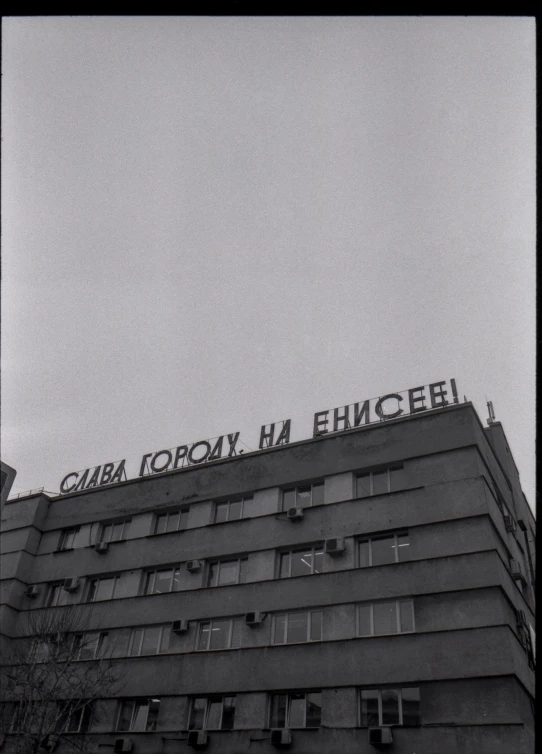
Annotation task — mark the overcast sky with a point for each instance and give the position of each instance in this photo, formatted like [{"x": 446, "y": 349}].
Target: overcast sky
[{"x": 214, "y": 223}]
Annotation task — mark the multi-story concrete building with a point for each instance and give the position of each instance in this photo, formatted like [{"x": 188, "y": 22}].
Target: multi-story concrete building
[{"x": 371, "y": 586}]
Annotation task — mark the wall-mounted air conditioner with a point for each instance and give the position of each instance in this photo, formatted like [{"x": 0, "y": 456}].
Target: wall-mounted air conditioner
[
  {"x": 179, "y": 626},
  {"x": 122, "y": 745},
  {"x": 380, "y": 736},
  {"x": 294, "y": 514},
  {"x": 101, "y": 547},
  {"x": 334, "y": 546},
  {"x": 71, "y": 585},
  {"x": 32, "y": 591},
  {"x": 198, "y": 739},
  {"x": 509, "y": 524},
  {"x": 521, "y": 619},
  {"x": 253, "y": 619},
  {"x": 516, "y": 571},
  {"x": 193, "y": 565},
  {"x": 281, "y": 738}
]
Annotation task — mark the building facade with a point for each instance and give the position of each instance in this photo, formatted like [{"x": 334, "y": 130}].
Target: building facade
[{"x": 361, "y": 590}]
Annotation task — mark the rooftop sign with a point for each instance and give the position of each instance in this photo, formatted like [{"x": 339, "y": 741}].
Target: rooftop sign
[{"x": 389, "y": 406}]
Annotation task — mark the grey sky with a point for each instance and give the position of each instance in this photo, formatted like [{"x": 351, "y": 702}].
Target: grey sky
[{"x": 214, "y": 223}]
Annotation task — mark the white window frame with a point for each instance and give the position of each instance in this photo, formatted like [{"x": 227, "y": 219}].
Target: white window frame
[
  {"x": 210, "y": 623},
  {"x": 241, "y": 499},
  {"x": 72, "y": 531},
  {"x": 295, "y": 488},
  {"x": 208, "y": 699},
  {"x": 316, "y": 548},
  {"x": 397, "y": 617},
  {"x": 225, "y": 561},
  {"x": 166, "y": 515},
  {"x": 176, "y": 569},
  {"x": 289, "y": 694},
  {"x": 125, "y": 522},
  {"x": 104, "y": 577},
  {"x": 163, "y": 627},
  {"x": 375, "y": 537},
  {"x": 138, "y": 701},
  {"x": 398, "y": 690},
  {"x": 293, "y": 613}
]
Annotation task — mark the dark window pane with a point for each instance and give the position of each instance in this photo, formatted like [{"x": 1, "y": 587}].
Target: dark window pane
[
  {"x": 183, "y": 519},
  {"x": 173, "y": 522},
  {"x": 403, "y": 547},
  {"x": 363, "y": 554},
  {"x": 126, "y": 529},
  {"x": 385, "y": 617},
  {"x": 303, "y": 497},
  {"x": 219, "y": 634},
  {"x": 213, "y": 571},
  {"x": 106, "y": 533},
  {"x": 221, "y": 513},
  {"x": 137, "y": 637},
  {"x": 228, "y": 572},
  {"x": 149, "y": 585},
  {"x": 236, "y": 633},
  {"x": 369, "y": 708},
  {"x": 411, "y": 705},
  {"x": 278, "y": 711},
  {"x": 317, "y": 494},
  {"x": 316, "y": 626},
  {"x": 125, "y": 717},
  {"x": 301, "y": 563},
  {"x": 150, "y": 640},
  {"x": 314, "y": 709},
  {"x": 161, "y": 522},
  {"x": 204, "y": 635},
  {"x": 228, "y": 713},
  {"x": 152, "y": 718},
  {"x": 162, "y": 581},
  {"x": 235, "y": 510},
  {"x": 284, "y": 565},
  {"x": 318, "y": 561},
  {"x": 117, "y": 532},
  {"x": 288, "y": 499},
  {"x": 363, "y": 485},
  {"x": 383, "y": 551},
  {"x": 214, "y": 714},
  {"x": 406, "y": 611},
  {"x": 280, "y": 629},
  {"x": 164, "y": 642},
  {"x": 176, "y": 579},
  {"x": 197, "y": 714},
  {"x": 243, "y": 565},
  {"x": 296, "y": 718},
  {"x": 297, "y": 627},
  {"x": 104, "y": 589},
  {"x": 380, "y": 482},
  {"x": 398, "y": 479},
  {"x": 139, "y": 721},
  {"x": 390, "y": 707},
  {"x": 364, "y": 620}
]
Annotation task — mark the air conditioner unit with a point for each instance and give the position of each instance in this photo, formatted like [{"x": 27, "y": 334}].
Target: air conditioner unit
[
  {"x": 281, "y": 738},
  {"x": 32, "y": 591},
  {"x": 122, "y": 744},
  {"x": 515, "y": 570},
  {"x": 334, "y": 546},
  {"x": 253, "y": 619},
  {"x": 71, "y": 585},
  {"x": 49, "y": 742},
  {"x": 521, "y": 619},
  {"x": 198, "y": 739},
  {"x": 294, "y": 514},
  {"x": 509, "y": 524},
  {"x": 101, "y": 546},
  {"x": 380, "y": 736},
  {"x": 179, "y": 626},
  {"x": 193, "y": 565}
]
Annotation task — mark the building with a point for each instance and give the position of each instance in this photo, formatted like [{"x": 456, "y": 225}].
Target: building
[
  {"x": 364, "y": 589},
  {"x": 7, "y": 477}
]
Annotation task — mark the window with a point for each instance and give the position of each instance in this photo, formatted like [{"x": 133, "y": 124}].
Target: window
[
  {"x": 172, "y": 521},
  {"x": 163, "y": 580},
  {"x": 379, "y": 482},
  {"x": 231, "y": 510},
  {"x": 383, "y": 707},
  {"x": 90, "y": 646},
  {"x": 298, "y": 709},
  {"x": 379, "y": 550},
  {"x": 303, "y": 496},
  {"x": 102, "y": 588},
  {"x": 67, "y": 538},
  {"x": 224, "y": 572},
  {"x": 390, "y": 617},
  {"x": 73, "y": 717},
  {"x": 57, "y": 595},
  {"x": 138, "y": 714},
  {"x": 301, "y": 562},
  {"x": 212, "y": 713},
  {"x": 116, "y": 531},
  {"x": 150, "y": 640},
  {"x": 289, "y": 628},
  {"x": 219, "y": 634}
]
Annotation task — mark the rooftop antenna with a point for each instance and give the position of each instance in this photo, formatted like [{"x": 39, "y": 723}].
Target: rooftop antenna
[{"x": 491, "y": 417}]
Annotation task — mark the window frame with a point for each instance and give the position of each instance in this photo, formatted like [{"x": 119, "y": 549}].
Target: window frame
[
  {"x": 314, "y": 548},
  {"x": 295, "y": 488},
  {"x": 138, "y": 701},
  {"x": 56, "y": 588},
  {"x": 222, "y": 561},
  {"x": 239, "y": 499},
  {"x": 166, "y": 514},
  {"x": 104, "y": 525},
  {"x": 375, "y": 537},
  {"x": 210, "y": 622},
  {"x": 163, "y": 628},
  {"x": 85, "y": 718},
  {"x": 288, "y": 694},
  {"x": 96, "y": 579},
  {"x": 370, "y": 474},
  {"x": 397, "y": 603},
  {"x": 100, "y": 637},
  {"x": 288, "y": 615},
  {"x": 399, "y": 690},
  {"x": 72, "y": 530},
  {"x": 175, "y": 571},
  {"x": 208, "y": 700}
]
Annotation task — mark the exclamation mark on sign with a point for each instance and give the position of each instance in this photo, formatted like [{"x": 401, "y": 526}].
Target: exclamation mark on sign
[{"x": 454, "y": 390}]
